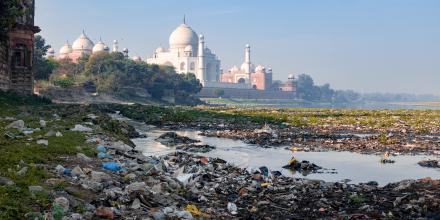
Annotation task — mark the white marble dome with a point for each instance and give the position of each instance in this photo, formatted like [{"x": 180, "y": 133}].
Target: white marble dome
[
  {"x": 160, "y": 50},
  {"x": 82, "y": 43},
  {"x": 66, "y": 49},
  {"x": 136, "y": 58},
  {"x": 99, "y": 47},
  {"x": 188, "y": 48},
  {"x": 183, "y": 36}
]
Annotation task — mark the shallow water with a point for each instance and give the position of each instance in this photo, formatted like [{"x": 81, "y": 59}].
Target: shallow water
[{"x": 354, "y": 166}]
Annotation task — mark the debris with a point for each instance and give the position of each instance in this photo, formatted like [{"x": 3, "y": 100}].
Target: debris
[
  {"x": 43, "y": 142},
  {"x": 430, "y": 163},
  {"x": 232, "y": 208},
  {"x": 84, "y": 158},
  {"x": 104, "y": 212},
  {"x": 42, "y": 123},
  {"x": 113, "y": 166},
  {"x": 19, "y": 124},
  {"x": 81, "y": 128},
  {"x": 62, "y": 202}
]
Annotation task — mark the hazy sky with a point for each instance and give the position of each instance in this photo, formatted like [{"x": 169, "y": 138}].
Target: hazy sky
[{"x": 364, "y": 45}]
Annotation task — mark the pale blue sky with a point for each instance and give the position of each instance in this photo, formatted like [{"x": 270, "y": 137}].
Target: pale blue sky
[{"x": 364, "y": 45}]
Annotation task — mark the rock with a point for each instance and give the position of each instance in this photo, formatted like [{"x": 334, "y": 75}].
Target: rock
[
  {"x": 77, "y": 171},
  {"x": 104, "y": 212},
  {"x": 81, "y": 128},
  {"x": 50, "y": 133},
  {"x": 6, "y": 181},
  {"x": 232, "y": 208},
  {"x": 136, "y": 186},
  {"x": 23, "y": 171},
  {"x": 43, "y": 142},
  {"x": 92, "y": 185},
  {"x": 35, "y": 189},
  {"x": 100, "y": 176},
  {"x": 84, "y": 158},
  {"x": 62, "y": 202},
  {"x": 19, "y": 124},
  {"x": 136, "y": 204},
  {"x": 430, "y": 163},
  {"x": 42, "y": 123}
]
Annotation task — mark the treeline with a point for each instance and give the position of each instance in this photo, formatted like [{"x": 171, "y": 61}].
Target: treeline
[
  {"x": 114, "y": 73},
  {"x": 307, "y": 90}
]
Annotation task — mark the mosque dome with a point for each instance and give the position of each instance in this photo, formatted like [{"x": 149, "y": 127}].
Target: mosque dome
[
  {"x": 160, "y": 50},
  {"x": 183, "y": 36},
  {"x": 234, "y": 69},
  {"x": 244, "y": 66},
  {"x": 99, "y": 47},
  {"x": 260, "y": 68},
  {"x": 66, "y": 49},
  {"x": 106, "y": 48},
  {"x": 291, "y": 77},
  {"x": 82, "y": 43}
]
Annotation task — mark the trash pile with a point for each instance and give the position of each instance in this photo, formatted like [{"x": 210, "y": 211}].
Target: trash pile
[
  {"x": 172, "y": 139},
  {"x": 127, "y": 185}
]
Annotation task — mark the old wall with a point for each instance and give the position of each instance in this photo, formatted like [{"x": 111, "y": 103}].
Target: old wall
[{"x": 4, "y": 67}]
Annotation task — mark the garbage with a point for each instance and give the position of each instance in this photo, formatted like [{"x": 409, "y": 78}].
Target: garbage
[
  {"x": 113, "y": 166},
  {"x": 101, "y": 148},
  {"x": 6, "y": 181},
  {"x": 67, "y": 172},
  {"x": 84, "y": 158},
  {"x": 232, "y": 208},
  {"x": 77, "y": 171},
  {"x": 59, "y": 169},
  {"x": 81, "y": 128},
  {"x": 102, "y": 155}
]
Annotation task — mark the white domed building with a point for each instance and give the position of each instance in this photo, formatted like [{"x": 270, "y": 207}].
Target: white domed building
[{"x": 187, "y": 53}]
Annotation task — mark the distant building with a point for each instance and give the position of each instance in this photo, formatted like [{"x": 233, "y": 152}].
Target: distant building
[
  {"x": 16, "y": 54},
  {"x": 256, "y": 77},
  {"x": 187, "y": 53},
  {"x": 289, "y": 85}
]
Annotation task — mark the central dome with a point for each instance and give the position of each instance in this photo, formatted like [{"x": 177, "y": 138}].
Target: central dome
[
  {"x": 183, "y": 36},
  {"x": 82, "y": 43}
]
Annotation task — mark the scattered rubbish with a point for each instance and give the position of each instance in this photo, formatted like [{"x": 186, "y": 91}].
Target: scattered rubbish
[
  {"x": 101, "y": 148},
  {"x": 430, "y": 163},
  {"x": 102, "y": 155},
  {"x": 43, "y": 142},
  {"x": 113, "y": 166},
  {"x": 81, "y": 128},
  {"x": 19, "y": 124},
  {"x": 232, "y": 208}
]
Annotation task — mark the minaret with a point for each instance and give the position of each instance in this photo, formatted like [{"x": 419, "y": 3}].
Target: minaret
[
  {"x": 115, "y": 46},
  {"x": 247, "y": 60},
  {"x": 201, "y": 59}
]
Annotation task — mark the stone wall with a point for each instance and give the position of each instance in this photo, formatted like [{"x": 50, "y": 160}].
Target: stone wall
[
  {"x": 246, "y": 93},
  {"x": 4, "y": 67}
]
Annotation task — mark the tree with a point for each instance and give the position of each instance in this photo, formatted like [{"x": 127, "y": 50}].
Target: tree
[{"x": 43, "y": 66}]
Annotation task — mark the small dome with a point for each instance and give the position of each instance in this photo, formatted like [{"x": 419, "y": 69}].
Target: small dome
[
  {"x": 188, "y": 48},
  {"x": 234, "y": 69},
  {"x": 66, "y": 49},
  {"x": 260, "y": 68},
  {"x": 160, "y": 50},
  {"x": 82, "y": 43},
  {"x": 244, "y": 66},
  {"x": 183, "y": 36},
  {"x": 291, "y": 77},
  {"x": 106, "y": 48},
  {"x": 99, "y": 47},
  {"x": 125, "y": 50},
  {"x": 137, "y": 58}
]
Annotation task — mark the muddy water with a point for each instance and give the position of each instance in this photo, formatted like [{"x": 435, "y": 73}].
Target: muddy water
[{"x": 353, "y": 166}]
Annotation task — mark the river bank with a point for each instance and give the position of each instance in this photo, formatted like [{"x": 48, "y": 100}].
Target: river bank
[{"x": 76, "y": 162}]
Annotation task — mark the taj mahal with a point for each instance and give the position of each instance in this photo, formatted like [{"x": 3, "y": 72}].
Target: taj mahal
[{"x": 188, "y": 53}]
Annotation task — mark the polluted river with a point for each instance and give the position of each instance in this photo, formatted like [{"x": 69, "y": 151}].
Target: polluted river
[{"x": 338, "y": 166}]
